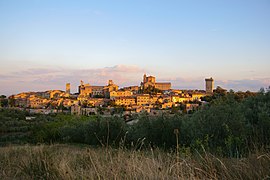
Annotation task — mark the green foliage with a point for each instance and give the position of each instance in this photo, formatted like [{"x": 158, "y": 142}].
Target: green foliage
[
  {"x": 3, "y": 101},
  {"x": 228, "y": 126},
  {"x": 13, "y": 126},
  {"x": 49, "y": 130},
  {"x": 117, "y": 110},
  {"x": 11, "y": 101},
  {"x": 96, "y": 132}
]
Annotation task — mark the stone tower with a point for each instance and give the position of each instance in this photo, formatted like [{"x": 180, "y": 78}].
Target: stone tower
[
  {"x": 209, "y": 85},
  {"x": 68, "y": 88},
  {"x": 110, "y": 82},
  {"x": 144, "y": 78}
]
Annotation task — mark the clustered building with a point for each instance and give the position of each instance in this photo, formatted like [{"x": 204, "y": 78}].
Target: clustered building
[{"x": 135, "y": 99}]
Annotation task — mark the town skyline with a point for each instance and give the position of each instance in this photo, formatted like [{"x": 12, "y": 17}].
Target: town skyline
[{"x": 150, "y": 95}]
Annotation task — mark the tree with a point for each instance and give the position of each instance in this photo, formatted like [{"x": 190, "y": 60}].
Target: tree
[
  {"x": 268, "y": 89},
  {"x": 3, "y": 97},
  {"x": 3, "y": 102},
  {"x": 100, "y": 110},
  {"x": 175, "y": 109},
  {"x": 262, "y": 90},
  {"x": 11, "y": 101},
  {"x": 220, "y": 91}
]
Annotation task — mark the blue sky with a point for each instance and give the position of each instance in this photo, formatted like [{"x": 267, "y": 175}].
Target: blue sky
[{"x": 44, "y": 44}]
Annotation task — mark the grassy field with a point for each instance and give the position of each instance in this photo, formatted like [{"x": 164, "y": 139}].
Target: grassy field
[{"x": 83, "y": 162}]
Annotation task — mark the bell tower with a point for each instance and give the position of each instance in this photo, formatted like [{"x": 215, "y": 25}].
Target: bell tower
[{"x": 144, "y": 78}]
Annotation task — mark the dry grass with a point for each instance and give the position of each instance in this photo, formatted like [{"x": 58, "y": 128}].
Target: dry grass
[{"x": 73, "y": 162}]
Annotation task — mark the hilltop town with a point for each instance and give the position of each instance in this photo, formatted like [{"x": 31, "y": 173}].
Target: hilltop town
[{"x": 150, "y": 96}]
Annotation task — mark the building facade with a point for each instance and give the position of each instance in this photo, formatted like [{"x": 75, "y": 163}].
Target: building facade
[
  {"x": 114, "y": 94},
  {"x": 143, "y": 99},
  {"x": 125, "y": 101},
  {"x": 93, "y": 91},
  {"x": 151, "y": 81}
]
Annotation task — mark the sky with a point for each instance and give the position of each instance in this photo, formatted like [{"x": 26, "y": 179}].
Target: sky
[{"x": 46, "y": 43}]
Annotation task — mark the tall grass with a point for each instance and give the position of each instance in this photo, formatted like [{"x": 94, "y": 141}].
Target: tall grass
[{"x": 74, "y": 162}]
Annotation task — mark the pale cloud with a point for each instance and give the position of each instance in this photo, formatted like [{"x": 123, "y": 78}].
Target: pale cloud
[
  {"x": 184, "y": 83},
  {"x": 6, "y": 77},
  {"x": 37, "y": 71},
  {"x": 125, "y": 68},
  {"x": 245, "y": 84},
  {"x": 41, "y": 79}
]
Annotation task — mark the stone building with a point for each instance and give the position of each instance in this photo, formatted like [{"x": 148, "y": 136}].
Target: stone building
[
  {"x": 126, "y": 101},
  {"x": 110, "y": 88},
  {"x": 85, "y": 89},
  {"x": 120, "y": 93},
  {"x": 93, "y": 91},
  {"x": 151, "y": 81},
  {"x": 143, "y": 99}
]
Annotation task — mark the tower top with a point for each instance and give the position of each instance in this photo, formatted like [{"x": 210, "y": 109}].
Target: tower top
[
  {"x": 110, "y": 82},
  {"x": 209, "y": 79}
]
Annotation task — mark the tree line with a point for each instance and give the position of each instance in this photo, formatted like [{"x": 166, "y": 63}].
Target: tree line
[{"x": 230, "y": 125}]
